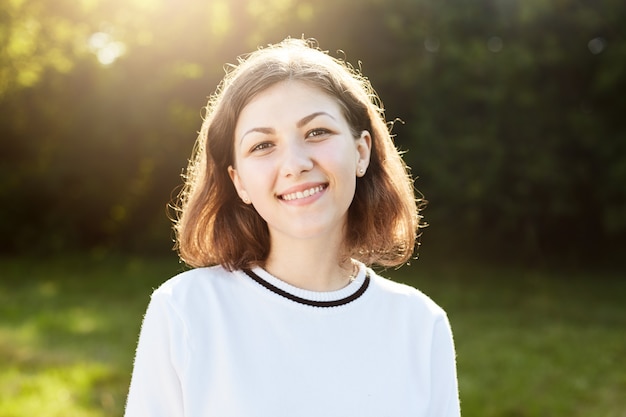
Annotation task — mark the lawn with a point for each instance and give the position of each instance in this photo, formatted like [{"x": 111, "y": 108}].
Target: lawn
[
  {"x": 535, "y": 343},
  {"x": 68, "y": 333},
  {"x": 529, "y": 342}
]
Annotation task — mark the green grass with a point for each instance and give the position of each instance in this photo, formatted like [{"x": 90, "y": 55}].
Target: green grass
[
  {"x": 68, "y": 332},
  {"x": 530, "y": 343},
  {"x": 534, "y": 343}
]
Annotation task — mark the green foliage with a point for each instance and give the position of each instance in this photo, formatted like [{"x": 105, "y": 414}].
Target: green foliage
[
  {"x": 508, "y": 132},
  {"x": 513, "y": 113}
]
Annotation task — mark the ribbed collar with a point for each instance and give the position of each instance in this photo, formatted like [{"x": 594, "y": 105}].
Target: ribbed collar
[{"x": 323, "y": 299}]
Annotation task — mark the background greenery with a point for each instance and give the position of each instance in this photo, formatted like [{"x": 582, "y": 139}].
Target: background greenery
[
  {"x": 513, "y": 114},
  {"x": 530, "y": 342},
  {"x": 512, "y": 119}
]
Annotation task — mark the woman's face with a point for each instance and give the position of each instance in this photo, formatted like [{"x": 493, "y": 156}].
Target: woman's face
[{"x": 296, "y": 161}]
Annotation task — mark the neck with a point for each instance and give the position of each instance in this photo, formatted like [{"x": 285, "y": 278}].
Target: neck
[{"x": 310, "y": 265}]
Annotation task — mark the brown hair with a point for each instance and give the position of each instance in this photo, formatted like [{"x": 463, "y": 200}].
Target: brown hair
[{"x": 214, "y": 226}]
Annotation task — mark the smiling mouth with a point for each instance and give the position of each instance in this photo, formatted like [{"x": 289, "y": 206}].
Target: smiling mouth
[{"x": 303, "y": 194}]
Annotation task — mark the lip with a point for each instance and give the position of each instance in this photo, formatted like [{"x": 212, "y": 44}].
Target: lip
[{"x": 300, "y": 194}]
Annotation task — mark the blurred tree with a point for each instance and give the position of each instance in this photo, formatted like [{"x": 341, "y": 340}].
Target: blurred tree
[
  {"x": 92, "y": 150},
  {"x": 33, "y": 41},
  {"x": 513, "y": 112},
  {"x": 511, "y": 137},
  {"x": 94, "y": 147}
]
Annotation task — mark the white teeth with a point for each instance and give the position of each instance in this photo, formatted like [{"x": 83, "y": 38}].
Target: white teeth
[{"x": 303, "y": 194}]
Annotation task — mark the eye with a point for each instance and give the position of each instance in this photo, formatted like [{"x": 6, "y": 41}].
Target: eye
[
  {"x": 261, "y": 146},
  {"x": 317, "y": 132}
]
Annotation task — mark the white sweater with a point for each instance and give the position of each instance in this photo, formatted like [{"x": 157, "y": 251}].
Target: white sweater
[{"x": 226, "y": 344}]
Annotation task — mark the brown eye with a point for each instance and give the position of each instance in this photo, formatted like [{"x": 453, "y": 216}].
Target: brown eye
[
  {"x": 261, "y": 146},
  {"x": 317, "y": 132}
]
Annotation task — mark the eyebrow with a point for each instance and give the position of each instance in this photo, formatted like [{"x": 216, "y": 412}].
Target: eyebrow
[
  {"x": 302, "y": 122},
  {"x": 312, "y": 116}
]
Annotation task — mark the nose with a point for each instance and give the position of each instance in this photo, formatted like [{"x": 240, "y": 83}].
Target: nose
[{"x": 296, "y": 158}]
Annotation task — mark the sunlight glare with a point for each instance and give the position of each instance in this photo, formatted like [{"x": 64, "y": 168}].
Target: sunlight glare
[
  {"x": 221, "y": 17},
  {"x": 106, "y": 49}
]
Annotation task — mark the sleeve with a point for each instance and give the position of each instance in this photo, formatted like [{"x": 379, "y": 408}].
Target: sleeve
[
  {"x": 444, "y": 401},
  {"x": 155, "y": 388}
]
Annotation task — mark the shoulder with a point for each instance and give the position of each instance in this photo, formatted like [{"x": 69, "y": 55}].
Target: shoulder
[
  {"x": 405, "y": 296},
  {"x": 193, "y": 283}
]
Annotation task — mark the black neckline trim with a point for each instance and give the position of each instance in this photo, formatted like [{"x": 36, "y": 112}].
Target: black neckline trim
[{"x": 334, "y": 303}]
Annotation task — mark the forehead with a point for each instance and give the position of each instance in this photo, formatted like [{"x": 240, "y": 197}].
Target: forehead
[{"x": 287, "y": 101}]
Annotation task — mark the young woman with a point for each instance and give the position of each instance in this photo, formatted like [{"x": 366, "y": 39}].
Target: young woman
[{"x": 295, "y": 189}]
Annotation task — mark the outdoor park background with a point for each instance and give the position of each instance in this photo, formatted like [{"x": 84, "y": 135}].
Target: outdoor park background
[{"x": 513, "y": 121}]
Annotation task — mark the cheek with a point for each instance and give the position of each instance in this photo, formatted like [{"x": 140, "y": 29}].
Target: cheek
[
  {"x": 342, "y": 161},
  {"x": 343, "y": 169},
  {"x": 255, "y": 177}
]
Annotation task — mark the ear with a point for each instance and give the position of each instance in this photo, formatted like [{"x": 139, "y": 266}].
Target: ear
[
  {"x": 234, "y": 177},
  {"x": 363, "y": 151}
]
